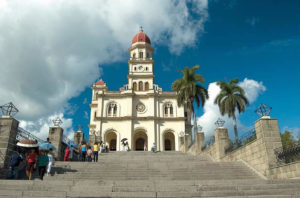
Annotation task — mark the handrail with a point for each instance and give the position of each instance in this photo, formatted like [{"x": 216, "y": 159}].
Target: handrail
[{"x": 23, "y": 134}]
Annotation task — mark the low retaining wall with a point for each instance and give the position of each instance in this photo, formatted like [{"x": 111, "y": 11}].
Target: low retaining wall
[
  {"x": 286, "y": 171},
  {"x": 258, "y": 154},
  {"x": 253, "y": 154}
]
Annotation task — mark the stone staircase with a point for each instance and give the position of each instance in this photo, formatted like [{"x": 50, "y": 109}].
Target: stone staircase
[{"x": 146, "y": 174}]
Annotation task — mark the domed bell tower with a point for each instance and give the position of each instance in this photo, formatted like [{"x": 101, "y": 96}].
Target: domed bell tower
[{"x": 140, "y": 64}]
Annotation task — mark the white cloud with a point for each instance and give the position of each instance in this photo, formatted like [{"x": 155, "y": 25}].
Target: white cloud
[
  {"x": 85, "y": 101},
  {"x": 50, "y": 50},
  {"x": 252, "y": 88},
  {"x": 86, "y": 115},
  {"x": 40, "y": 128},
  {"x": 211, "y": 111}
]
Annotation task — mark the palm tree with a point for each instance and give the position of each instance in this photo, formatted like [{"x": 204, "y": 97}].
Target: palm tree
[
  {"x": 189, "y": 91},
  {"x": 230, "y": 98}
]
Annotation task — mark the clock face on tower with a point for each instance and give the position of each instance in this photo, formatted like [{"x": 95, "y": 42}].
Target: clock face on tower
[{"x": 141, "y": 68}]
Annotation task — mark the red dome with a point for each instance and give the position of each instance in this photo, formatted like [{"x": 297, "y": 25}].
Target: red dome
[
  {"x": 141, "y": 37},
  {"x": 100, "y": 82}
]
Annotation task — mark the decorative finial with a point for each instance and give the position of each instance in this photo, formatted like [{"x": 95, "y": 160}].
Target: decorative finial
[
  {"x": 57, "y": 121},
  {"x": 141, "y": 29},
  {"x": 9, "y": 109},
  {"x": 220, "y": 122},
  {"x": 199, "y": 127},
  {"x": 263, "y": 110}
]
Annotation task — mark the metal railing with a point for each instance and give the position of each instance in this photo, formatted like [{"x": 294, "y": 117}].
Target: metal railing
[
  {"x": 244, "y": 139},
  {"x": 67, "y": 141},
  {"x": 210, "y": 141},
  {"x": 23, "y": 134},
  {"x": 287, "y": 155}
]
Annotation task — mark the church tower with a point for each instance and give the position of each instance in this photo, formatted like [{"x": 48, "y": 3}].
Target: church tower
[{"x": 140, "y": 64}]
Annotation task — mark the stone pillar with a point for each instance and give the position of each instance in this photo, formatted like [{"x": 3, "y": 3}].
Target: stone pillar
[
  {"x": 221, "y": 142},
  {"x": 92, "y": 139},
  {"x": 8, "y": 132},
  {"x": 267, "y": 129},
  {"x": 56, "y": 137},
  {"x": 187, "y": 141},
  {"x": 200, "y": 141},
  {"x": 78, "y": 137},
  {"x": 98, "y": 139},
  {"x": 181, "y": 144}
]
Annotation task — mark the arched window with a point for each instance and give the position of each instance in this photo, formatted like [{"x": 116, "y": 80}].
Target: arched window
[
  {"x": 168, "y": 110},
  {"x": 146, "y": 86},
  {"x": 140, "y": 86},
  {"x": 148, "y": 55},
  {"x": 115, "y": 111},
  {"x": 133, "y": 56},
  {"x": 146, "y": 68},
  {"x": 112, "y": 109},
  {"x": 171, "y": 110},
  {"x": 141, "y": 54},
  {"x": 134, "y": 86},
  {"x": 134, "y": 68}
]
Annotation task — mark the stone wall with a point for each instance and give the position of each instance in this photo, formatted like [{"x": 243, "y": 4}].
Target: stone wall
[
  {"x": 8, "y": 133},
  {"x": 286, "y": 171},
  {"x": 259, "y": 154},
  {"x": 211, "y": 151},
  {"x": 253, "y": 154},
  {"x": 56, "y": 137}
]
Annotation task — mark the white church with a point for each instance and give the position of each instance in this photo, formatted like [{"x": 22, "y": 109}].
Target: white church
[{"x": 140, "y": 111}]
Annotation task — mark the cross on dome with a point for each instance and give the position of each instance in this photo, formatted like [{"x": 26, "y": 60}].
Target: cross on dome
[{"x": 141, "y": 37}]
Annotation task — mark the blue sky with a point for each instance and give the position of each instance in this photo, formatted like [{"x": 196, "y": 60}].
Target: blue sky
[
  {"x": 258, "y": 40},
  {"x": 64, "y": 47}
]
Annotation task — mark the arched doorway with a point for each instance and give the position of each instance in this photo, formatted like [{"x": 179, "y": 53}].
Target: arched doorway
[
  {"x": 111, "y": 140},
  {"x": 168, "y": 146},
  {"x": 169, "y": 141},
  {"x": 140, "y": 141},
  {"x": 113, "y": 145},
  {"x": 139, "y": 144}
]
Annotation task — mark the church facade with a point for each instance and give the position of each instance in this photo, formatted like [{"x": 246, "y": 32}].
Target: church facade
[{"x": 140, "y": 111}]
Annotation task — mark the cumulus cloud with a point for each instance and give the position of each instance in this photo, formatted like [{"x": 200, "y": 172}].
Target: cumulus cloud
[
  {"x": 40, "y": 128},
  {"x": 252, "y": 88},
  {"x": 211, "y": 111},
  {"x": 50, "y": 51}
]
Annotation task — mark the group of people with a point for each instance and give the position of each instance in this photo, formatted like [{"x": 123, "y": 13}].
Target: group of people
[
  {"x": 35, "y": 159},
  {"x": 90, "y": 153}
]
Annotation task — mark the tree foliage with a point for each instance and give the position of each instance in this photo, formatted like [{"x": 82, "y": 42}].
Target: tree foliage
[
  {"x": 230, "y": 98},
  {"x": 190, "y": 90},
  {"x": 288, "y": 140}
]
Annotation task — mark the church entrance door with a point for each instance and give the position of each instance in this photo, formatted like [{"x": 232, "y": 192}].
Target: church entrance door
[
  {"x": 140, "y": 140},
  {"x": 168, "y": 145},
  {"x": 139, "y": 144},
  {"x": 169, "y": 141},
  {"x": 111, "y": 140},
  {"x": 113, "y": 145}
]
